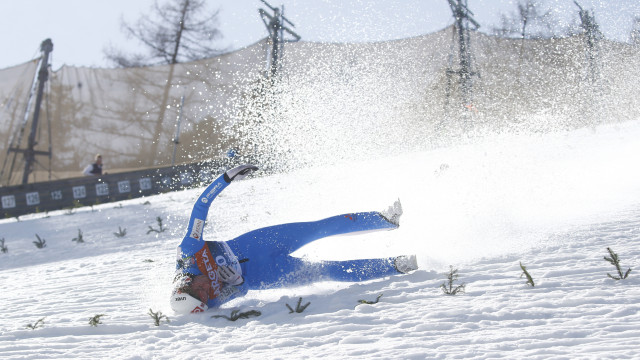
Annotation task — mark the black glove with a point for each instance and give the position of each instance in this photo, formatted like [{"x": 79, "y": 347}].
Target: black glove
[{"x": 239, "y": 172}]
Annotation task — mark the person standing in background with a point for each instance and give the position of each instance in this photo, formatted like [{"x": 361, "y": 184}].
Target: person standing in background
[{"x": 94, "y": 169}]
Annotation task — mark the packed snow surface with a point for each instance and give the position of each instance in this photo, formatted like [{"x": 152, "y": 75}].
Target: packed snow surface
[{"x": 554, "y": 202}]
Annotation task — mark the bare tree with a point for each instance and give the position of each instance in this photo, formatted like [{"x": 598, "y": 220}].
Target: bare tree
[
  {"x": 634, "y": 36},
  {"x": 177, "y": 31},
  {"x": 530, "y": 21},
  {"x": 172, "y": 33}
]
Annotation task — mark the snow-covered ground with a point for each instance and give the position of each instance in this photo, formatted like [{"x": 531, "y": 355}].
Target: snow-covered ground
[{"x": 554, "y": 202}]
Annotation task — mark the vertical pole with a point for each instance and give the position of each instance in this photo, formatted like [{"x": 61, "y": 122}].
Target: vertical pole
[
  {"x": 43, "y": 76},
  {"x": 176, "y": 138},
  {"x": 276, "y": 26},
  {"x": 465, "y": 73},
  {"x": 462, "y": 19}
]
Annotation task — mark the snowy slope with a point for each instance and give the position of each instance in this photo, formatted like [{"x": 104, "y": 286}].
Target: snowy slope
[{"x": 554, "y": 202}]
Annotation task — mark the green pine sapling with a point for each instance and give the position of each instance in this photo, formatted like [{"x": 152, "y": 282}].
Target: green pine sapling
[
  {"x": 162, "y": 229},
  {"x": 95, "y": 320},
  {"x": 41, "y": 243},
  {"x": 121, "y": 232},
  {"x": 157, "y": 317},
  {"x": 615, "y": 261},
  {"x": 299, "y": 308},
  {"x": 236, "y": 314},
  {"x": 370, "y": 302},
  {"x": 526, "y": 273},
  {"x": 78, "y": 239},
  {"x": 37, "y": 324},
  {"x": 452, "y": 277}
]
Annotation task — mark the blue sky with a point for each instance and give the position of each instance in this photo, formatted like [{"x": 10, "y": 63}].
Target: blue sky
[{"x": 81, "y": 29}]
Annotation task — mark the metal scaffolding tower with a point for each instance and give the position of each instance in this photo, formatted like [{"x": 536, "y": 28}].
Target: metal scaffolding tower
[
  {"x": 275, "y": 24},
  {"x": 463, "y": 24},
  {"x": 592, "y": 36},
  {"x": 30, "y": 151}
]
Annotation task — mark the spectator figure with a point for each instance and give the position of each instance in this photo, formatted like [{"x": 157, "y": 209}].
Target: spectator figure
[{"x": 94, "y": 169}]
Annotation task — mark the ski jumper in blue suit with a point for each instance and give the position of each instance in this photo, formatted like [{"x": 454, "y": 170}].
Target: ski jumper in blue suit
[{"x": 261, "y": 258}]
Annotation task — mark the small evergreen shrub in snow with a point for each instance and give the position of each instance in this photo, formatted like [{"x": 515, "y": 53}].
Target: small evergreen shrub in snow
[
  {"x": 95, "y": 321},
  {"x": 37, "y": 324},
  {"x": 41, "y": 243},
  {"x": 236, "y": 314},
  {"x": 299, "y": 308},
  {"x": 158, "y": 317},
  {"x": 370, "y": 302},
  {"x": 161, "y": 229},
  {"x": 78, "y": 239},
  {"x": 3, "y": 248},
  {"x": 448, "y": 287},
  {"x": 71, "y": 210},
  {"x": 121, "y": 232},
  {"x": 615, "y": 261},
  {"x": 526, "y": 273}
]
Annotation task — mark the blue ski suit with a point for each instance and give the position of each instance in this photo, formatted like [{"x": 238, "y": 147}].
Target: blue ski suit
[{"x": 263, "y": 257}]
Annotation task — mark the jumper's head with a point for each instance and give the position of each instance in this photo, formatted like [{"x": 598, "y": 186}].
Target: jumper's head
[{"x": 191, "y": 294}]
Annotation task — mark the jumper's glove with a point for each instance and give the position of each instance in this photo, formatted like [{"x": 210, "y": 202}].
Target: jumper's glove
[
  {"x": 229, "y": 275},
  {"x": 239, "y": 172}
]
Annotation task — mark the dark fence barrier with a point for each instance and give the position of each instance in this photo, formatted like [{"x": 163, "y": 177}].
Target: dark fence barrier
[{"x": 68, "y": 193}]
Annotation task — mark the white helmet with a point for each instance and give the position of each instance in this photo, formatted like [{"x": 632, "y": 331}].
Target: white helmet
[{"x": 184, "y": 303}]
